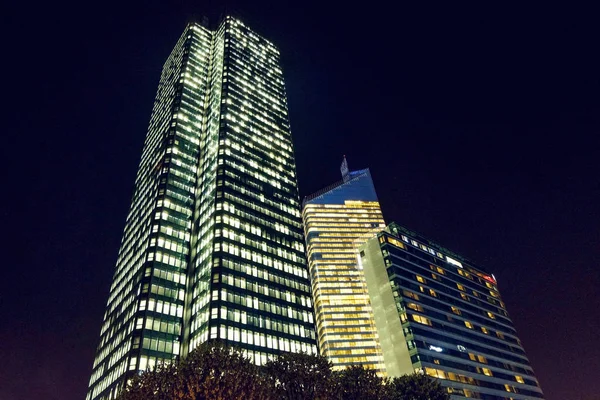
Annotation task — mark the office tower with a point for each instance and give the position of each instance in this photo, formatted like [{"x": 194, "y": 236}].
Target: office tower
[
  {"x": 213, "y": 244},
  {"x": 439, "y": 313},
  {"x": 337, "y": 220}
]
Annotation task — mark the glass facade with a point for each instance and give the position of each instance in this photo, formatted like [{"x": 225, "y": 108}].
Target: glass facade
[
  {"x": 337, "y": 220},
  {"x": 438, "y": 313},
  {"x": 213, "y": 245}
]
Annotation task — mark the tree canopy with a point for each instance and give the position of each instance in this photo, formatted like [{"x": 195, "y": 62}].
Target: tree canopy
[{"x": 216, "y": 372}]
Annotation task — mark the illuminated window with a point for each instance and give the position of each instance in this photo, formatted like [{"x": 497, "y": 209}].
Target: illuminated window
[
  {"x": 395, "y": 242},
  {"x": 519, "y": 379},
  {"x": 461, "y": 287},
  {"x": 436, "y": 373},
  {"x": 484, "y": 330},
  {"x": 437, "y": 269},
  {"x": 510, "y": 388},
  {"x": 487, "y": 372},
  {"x": 464, "y": 297},
  {"x": 422, "y": 320},
  {"x": 411, "y": 295},
  {"x": 492, "y": 316},
  {"x": 468, "y": 325},
  {"x": 453, "y": 261},
  {"x": 415, "y": 307},
  {"x": 476, "y": 357},
  {"x": 432, "y": 292},
  {"x": 455, "y": 310},
  {"x": 421, "y": 279}
]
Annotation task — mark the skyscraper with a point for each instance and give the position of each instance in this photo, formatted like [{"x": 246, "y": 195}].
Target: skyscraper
[
  {"x": 337, "y": 220},
  {"x": 213, "y": 245},
  {"x": 439, "y": 313}
]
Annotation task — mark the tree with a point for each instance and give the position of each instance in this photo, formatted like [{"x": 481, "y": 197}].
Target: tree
[
  {"x": 359, "y": 383},
  {"x": 216, "y": 372},
  {"x": 300, "y": 376},
  {"x": 162, "y": 383},
  {"x": 212, "y": 371},
  {"x": 416, "y": 386}
]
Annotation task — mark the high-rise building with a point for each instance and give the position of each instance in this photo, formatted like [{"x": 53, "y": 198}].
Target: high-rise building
[
  {"x": 439, "y": 313},
  {"x": 213, "y": 244},
  {"x": 337, "y": 220}
]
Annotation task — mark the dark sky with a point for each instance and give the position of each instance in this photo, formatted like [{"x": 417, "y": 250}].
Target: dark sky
[{"x": 480, "y": 125}]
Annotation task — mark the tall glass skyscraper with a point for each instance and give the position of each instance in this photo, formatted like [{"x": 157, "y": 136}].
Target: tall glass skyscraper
[
  {"x": 213, "y": 244},
  {"x": 438, "y": 313},
  {"x": 337, "y": 220}
]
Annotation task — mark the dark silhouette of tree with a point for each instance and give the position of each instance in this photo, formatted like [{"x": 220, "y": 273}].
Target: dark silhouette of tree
[
  {"x": 359, "y": 383},
  {"x": 416, "y": 386},
  {"x": 300, "y": 376},
  {"x": 216, "y": 372},
  {"x": 160, "y": 384},
  {"x": 212, "y": 371}
]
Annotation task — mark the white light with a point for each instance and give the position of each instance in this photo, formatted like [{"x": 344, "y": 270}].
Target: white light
[
  {"x": 436, "y": 348},
  {"x": 462, "y": 349},
  {"x": 453, "y": 261}
]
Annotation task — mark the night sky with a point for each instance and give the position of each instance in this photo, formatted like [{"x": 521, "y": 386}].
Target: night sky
[{"x": 480, "y": 125}]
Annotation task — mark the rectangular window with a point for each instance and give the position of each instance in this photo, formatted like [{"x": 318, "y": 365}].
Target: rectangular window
[
  {"x": 411, "y": 295},
  {"x": 395, "y": 242},
  {"x": 421, "y": 320},
  {"x": 415, "y": 307},
  {"x": 510, "y": 388}
]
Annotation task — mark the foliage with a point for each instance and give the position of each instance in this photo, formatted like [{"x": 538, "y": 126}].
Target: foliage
[
  {"x": 358, "y": 383},
  {"x": 300, "y": 376},
  {"x": 415, "y": 387},
  {"x": 212, "y": 371},
  {"x": 162, "y": 383},
  {"x": 217, "y": 372},
  {"x": 221, "y": 373}
]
